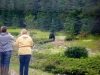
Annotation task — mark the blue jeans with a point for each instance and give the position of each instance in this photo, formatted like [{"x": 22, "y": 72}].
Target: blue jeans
[
  {"x": 5, "y": 62},
  {"x": 24, "y": 64}
]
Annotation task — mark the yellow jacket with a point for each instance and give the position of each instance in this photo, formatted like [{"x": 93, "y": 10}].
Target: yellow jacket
[{"x": 24, "y": 43}]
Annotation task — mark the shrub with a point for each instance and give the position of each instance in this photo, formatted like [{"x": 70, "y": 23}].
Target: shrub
[
  {"x": 68, "y": 38},
  {"x": 76, "y": 52},
  {"x": 43, "y": 40},
  {"x": 83, "y": 35},
  {"x": 13, "y": 27},
  {"x": 15, "y": 33},
  {"x": 61, "y": 65},
  {"x": 49, "y": 67}
]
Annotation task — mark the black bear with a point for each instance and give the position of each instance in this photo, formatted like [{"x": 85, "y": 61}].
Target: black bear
[{"x": 52, "y": 36}]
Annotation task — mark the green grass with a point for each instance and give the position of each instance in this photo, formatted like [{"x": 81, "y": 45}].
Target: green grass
[
  {"x": 92, "y": 44},
  {"x": 89, "y": 44},
  {"x": 92, "y": 37},
  {"x": 32, "y": 71},
  {"x": 14, "y": 30},
  {"x": 38, "y": 72},
  {"x": 36, "y": 34},
  {"x": 14, "y": 67}
]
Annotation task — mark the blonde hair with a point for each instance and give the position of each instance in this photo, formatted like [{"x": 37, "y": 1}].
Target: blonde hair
[{"x": 24, "y": 31}]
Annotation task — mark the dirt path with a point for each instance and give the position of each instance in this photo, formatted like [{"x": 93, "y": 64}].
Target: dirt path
[{"x": 57, "y": 42}]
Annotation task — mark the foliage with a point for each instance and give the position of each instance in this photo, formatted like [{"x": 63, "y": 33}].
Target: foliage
[
  {"x": 68, "y": 38},
  {"x": 1, "y": 23},
  {"x": 43, "y": 40},
  {"x": 15, "y": 33},
  {"x": 50, "y": 55},
  {"x": 72, "y": 16},
  {"x": 73, "y": 23},
  {"x": 82, "y": 35},
  {"x": 76, "y": 52},
  {"x": 13, "y": 27},
  {"x": 29, "y": 21},
  {"x": 60, "y": 64},
  {"x": 49, "y": 46}
]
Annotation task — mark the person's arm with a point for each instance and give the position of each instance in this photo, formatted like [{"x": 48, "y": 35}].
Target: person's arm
[
  {"x": 17, "y": 42},
  {"x": 11, "y": 37}
]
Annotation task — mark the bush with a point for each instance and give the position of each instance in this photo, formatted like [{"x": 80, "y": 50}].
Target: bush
[
  {"x": 76, "y": 52},
  {"x": 13, "y": 27},
  {"x": 61, "y": 65},
  {"x": 83, "y": 35},
  {"x": 15, "y": 33},
  {"x": 68, "y": 38},
  {"x": 43, "y": 40}
]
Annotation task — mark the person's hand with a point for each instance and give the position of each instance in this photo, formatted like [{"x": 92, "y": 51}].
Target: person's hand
[{"x": 9, "y": 33}]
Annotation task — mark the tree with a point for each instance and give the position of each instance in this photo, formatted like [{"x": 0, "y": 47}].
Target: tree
[{"x": 29, "y": 21}]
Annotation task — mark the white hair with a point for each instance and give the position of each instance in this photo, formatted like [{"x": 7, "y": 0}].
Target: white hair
[{"x": 24, "y": 31}]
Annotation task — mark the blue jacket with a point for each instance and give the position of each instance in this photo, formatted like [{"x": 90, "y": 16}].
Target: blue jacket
[{"x": 5, "y": 42}]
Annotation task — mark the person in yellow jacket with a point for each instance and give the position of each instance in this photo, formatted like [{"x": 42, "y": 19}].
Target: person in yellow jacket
[{"x": 24, "y": 43}]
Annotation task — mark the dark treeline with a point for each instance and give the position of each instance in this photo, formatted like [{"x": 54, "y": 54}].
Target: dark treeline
[{"x": 69, "y": 15}]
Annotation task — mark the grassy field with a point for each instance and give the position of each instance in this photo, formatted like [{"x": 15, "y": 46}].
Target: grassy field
[{"x": 42, "y": 52}]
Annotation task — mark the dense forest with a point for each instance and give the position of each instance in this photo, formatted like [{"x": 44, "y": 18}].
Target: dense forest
[{"x": 71, "y": 16}]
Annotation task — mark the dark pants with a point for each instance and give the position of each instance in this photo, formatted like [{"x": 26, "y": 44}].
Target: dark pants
[
  {"x": 5, "y": 62},
  {"x": 24, "y": 64}
]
